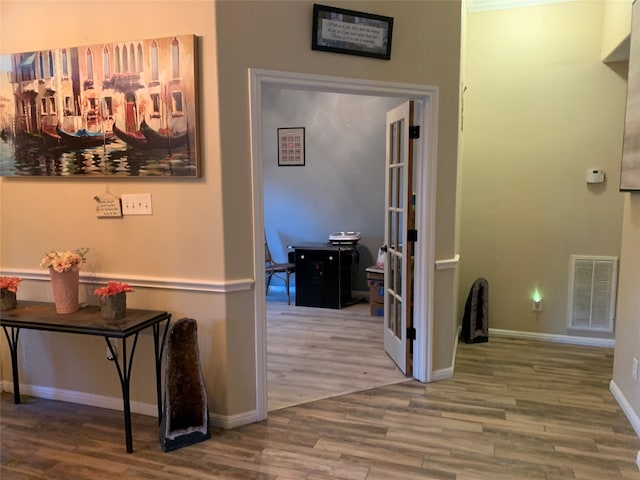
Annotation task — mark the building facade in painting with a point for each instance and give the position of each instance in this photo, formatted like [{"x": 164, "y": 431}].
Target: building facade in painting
[{"x": 93, "y": 87}]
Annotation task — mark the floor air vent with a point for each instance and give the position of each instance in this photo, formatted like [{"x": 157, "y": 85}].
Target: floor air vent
[{"x": 592, "y": 293}]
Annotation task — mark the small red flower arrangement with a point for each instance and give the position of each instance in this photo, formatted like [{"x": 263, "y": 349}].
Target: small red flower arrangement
[
  {"x": 112, "y": 288},
  {"x": 10, "y": 283}
]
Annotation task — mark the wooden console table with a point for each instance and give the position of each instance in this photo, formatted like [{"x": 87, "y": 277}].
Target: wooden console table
[{"x": 88, "y": 321}]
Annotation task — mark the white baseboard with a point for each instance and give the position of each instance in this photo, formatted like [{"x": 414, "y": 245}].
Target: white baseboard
[
  {"x": 631, "y": 415},
  {"x": 442, "y": 374},
  {"x": 232, "y": 421},
  {"x": 625, "y": 406},
  {"x": 115, "y": 403},
  {"x": 82, "y": 398},
  {"x": 547, "y": 337},
  {"x": 446, "y": 373}
]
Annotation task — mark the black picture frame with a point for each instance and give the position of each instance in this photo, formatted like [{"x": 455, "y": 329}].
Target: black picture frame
[
  {"x": 291, "y": 147},
  {"x": 353, "y": 33}
]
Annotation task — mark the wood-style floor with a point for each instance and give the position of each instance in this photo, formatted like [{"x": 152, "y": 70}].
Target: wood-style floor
[
  {"x": 515, "y": 409},
  {"x": 315, "y": 353}
]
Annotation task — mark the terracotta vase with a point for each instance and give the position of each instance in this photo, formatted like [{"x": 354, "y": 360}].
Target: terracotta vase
[
  {"x": 66, "y": 286},
  {"x": 7, "y": 300},
  {"x": 113, "y": 307}
]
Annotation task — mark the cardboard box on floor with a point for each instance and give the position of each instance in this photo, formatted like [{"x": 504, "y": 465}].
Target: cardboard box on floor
[{"x": 375, "y": 280}]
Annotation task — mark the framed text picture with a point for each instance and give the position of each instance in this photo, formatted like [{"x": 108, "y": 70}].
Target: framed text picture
[
  {"x": 354, "y": 33},
  {"x": 291, "y": 146},
  {"x": 119, "y": 109},
  {"x": 630, "y": 170}
]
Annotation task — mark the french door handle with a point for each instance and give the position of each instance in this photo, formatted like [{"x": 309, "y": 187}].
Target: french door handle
[{"x": 384, "y": 248}]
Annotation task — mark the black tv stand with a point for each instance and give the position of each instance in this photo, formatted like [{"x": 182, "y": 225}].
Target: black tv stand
[{"x": 323, "y": 274}]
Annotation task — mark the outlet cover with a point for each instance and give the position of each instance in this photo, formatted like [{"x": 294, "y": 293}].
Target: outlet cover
[
  {"x": 536, "y": 306},
  {"x": 136, "y": 204},
  {"x": 634, "y": 369}
]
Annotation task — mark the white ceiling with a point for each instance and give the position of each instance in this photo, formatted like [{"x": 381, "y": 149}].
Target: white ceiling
[{"x": 474, "y": 6}]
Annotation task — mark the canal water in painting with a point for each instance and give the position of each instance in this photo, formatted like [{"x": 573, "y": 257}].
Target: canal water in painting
[{"x": 32, "y": 158}]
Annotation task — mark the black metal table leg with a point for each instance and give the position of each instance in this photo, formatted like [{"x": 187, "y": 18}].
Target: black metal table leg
[
  {"x": 13, "y": 348},
  {"x": 124, "y": 373},
  {"x": 158, "y": 346}
]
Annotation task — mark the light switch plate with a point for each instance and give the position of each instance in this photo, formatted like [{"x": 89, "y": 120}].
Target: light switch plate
[{"x": 136, "y": 204}]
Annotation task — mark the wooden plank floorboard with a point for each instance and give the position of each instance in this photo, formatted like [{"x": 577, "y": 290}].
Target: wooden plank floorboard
[
  {"x": 317, "y": 353},
  {"x": 514, "y": 409}
]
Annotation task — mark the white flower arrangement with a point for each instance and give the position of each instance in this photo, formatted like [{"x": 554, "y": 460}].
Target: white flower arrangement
[{"x": 64, "y": 261}]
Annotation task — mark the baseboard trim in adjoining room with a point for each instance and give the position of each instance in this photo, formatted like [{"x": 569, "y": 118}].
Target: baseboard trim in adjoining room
[
  {"x": 548, "y": 337},
  {"x": 630, "y": 413}
]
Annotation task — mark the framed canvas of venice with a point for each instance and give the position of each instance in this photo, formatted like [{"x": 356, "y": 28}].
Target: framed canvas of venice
[
  {"x": 630, "y": 170},
  {"x": 122, "y": 109}
]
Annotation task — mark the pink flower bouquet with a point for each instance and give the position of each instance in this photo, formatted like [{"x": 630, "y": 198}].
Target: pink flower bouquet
[
  {"x": 112, "y": 288},
  {"x": 10, "y": 283}
]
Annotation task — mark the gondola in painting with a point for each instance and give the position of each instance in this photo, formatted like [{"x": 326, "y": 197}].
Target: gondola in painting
[{"x": 115, "y": 109}]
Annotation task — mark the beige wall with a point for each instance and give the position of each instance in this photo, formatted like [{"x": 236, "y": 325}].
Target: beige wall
[
  {"x": 201, "y": 230},
  {"x": 540, "y": 109},
  {"x": 174, "y": 245},
  {"x": 425, "y": 51},
  {"x": 616, "y": 26}
]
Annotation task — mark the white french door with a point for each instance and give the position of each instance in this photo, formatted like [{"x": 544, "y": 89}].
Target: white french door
[{"x": 399, "y": 234}]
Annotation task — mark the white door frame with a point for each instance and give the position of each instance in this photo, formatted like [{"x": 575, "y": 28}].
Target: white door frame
[{"x": 425, "y": 210}]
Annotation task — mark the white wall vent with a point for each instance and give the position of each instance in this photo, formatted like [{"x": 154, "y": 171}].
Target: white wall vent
[{"x": 592, "y": 292}]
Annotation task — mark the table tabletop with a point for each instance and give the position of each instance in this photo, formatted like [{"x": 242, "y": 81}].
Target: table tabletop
[
  {"x": 322, "y": 246},
  {"x": 87, "y": 320}
]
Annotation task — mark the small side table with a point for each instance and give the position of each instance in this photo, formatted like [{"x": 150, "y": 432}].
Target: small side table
[{"x": 88, "y": 321}]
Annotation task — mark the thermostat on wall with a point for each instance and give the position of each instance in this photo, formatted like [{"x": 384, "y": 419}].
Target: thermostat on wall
[{"x": 595, "y": 176}]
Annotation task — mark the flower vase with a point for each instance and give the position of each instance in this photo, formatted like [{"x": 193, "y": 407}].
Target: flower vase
[
  {"x": 113, "y": 307},
  {"x": 7, "y": 299},
  {"x": 66, "y": 286}
]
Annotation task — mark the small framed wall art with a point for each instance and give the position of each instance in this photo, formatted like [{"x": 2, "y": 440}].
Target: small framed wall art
[
  {"x": 350, "y": 32},
  {"x": 291, "y": 146}
]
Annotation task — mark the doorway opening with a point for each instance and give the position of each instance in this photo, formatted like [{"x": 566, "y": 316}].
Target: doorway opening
[{"x": 259, "y": 81}]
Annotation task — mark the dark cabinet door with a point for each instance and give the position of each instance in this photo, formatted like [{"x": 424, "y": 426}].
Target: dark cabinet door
[{"x": 323, "y": 277}]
